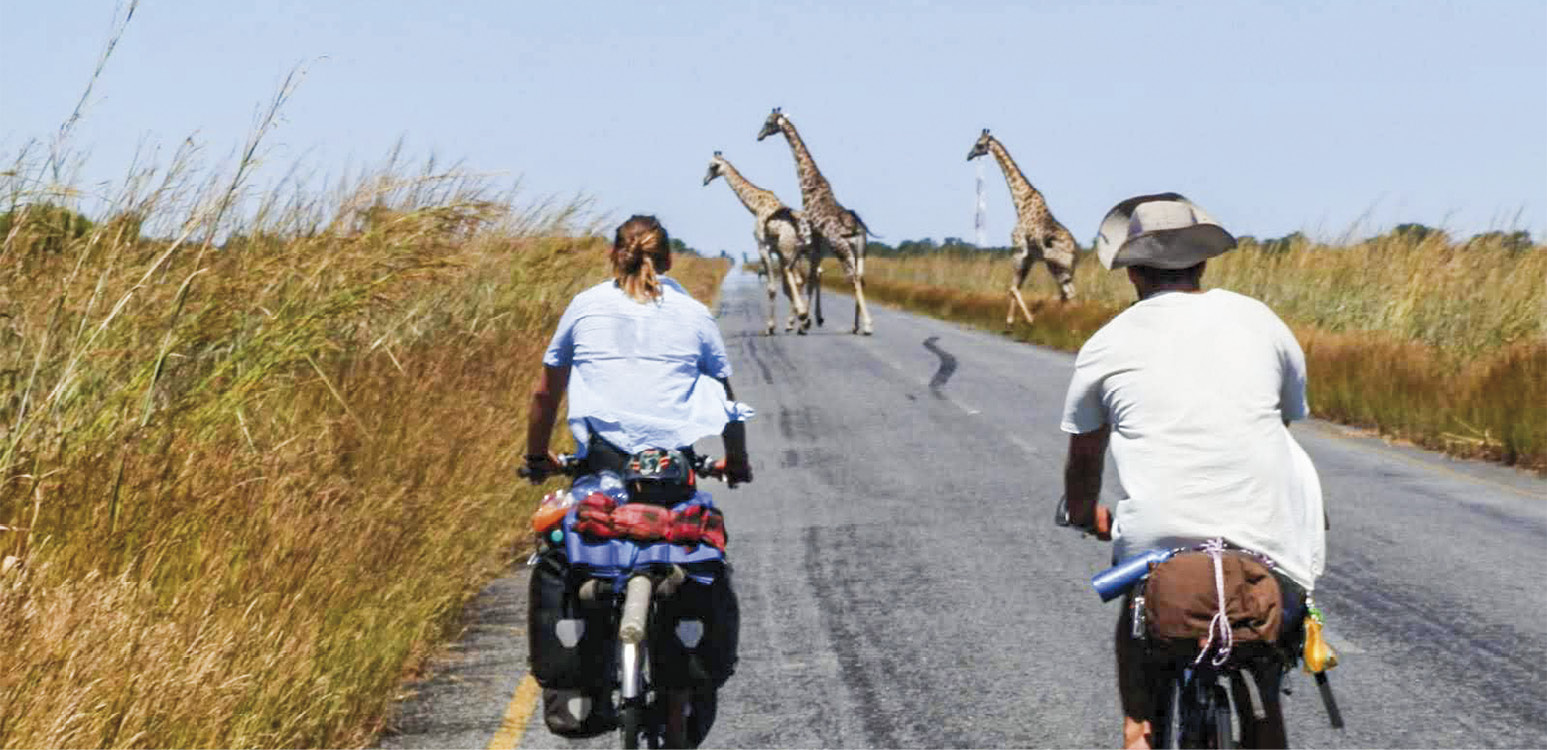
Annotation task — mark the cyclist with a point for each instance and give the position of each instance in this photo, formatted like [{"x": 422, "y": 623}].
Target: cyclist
[
  {"x": 1193, "y": 391},
  {"x": 644, "y": 367}
]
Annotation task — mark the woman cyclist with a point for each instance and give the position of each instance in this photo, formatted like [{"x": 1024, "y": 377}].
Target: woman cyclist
[
  {"x": 643, "y": 363},
  {"x": 644, "y": 367}
]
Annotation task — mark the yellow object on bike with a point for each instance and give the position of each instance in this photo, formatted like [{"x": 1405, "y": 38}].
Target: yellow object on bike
[{"x": 1319, "y": 656}]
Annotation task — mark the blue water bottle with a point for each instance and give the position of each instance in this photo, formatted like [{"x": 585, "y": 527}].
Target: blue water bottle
[{"x": 1112, "y": 582}]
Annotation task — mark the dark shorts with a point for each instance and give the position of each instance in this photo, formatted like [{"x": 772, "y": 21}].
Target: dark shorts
[{"x": 1143, "y": 678}]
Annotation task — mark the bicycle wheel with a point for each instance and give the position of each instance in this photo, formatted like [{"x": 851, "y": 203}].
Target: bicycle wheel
[
  {"x": 631, "y": 728},
  {"x": 1164, "y": 726},
  {"x": 1218, "y": 714},
  {"x": 1191, "y": 725}
]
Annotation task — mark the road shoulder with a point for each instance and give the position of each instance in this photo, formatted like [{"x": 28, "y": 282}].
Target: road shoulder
[{"x": 464, "y": 700}]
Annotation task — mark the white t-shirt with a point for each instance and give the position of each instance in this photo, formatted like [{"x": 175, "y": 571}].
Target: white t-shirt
[
  {"x": 1197, "y": 388},
  {"x": 643, "y": 375}
]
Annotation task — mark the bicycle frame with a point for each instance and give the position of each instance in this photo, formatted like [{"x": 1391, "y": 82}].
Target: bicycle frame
[
  {"x": 639, "y": 714},
  {"x": 628, "y": 578},
  {"x": 631, "y": 637}
]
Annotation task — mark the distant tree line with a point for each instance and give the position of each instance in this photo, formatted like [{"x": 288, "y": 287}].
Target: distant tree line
[
  {"x": 1515, "y": 241},
  {"x": 681, "y": 248},
  {"x": 927, "y": 246},
  {"x": 47, "y": 227}
]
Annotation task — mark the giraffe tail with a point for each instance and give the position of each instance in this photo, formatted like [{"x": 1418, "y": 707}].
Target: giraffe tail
[{"x": 863, "y": 225}]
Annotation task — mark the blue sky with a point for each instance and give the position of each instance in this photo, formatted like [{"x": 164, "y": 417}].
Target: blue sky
[{"x": 1276, "y": 117}]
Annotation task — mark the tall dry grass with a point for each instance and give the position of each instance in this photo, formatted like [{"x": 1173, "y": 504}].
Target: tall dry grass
[
  {"x": 251, "y": 470},
  {"x": 1438, "y": 342}
]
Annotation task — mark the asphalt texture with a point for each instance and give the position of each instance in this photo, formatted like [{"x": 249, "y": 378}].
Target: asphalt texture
[{"x": 902, "y": 583}]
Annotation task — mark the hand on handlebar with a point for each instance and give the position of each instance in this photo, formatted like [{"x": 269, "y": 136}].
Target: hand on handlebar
[
  {"x": 1100, "y": 524},
  {"x": 540, "y": 466},
  {"x": 733, "y": 471}
]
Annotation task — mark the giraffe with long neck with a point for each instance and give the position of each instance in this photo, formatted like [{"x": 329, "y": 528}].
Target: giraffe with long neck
[
  {"x": 783, "y": 241},
  {"x": 837, "y": 229},
  {"x": 1037, "y": 235}
]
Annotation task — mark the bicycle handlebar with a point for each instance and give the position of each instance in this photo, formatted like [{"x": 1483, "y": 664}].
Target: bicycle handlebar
[{"x": 571, "y": 465}]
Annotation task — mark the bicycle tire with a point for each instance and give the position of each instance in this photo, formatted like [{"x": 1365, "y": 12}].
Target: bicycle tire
[
  {"x": 1191, "y": 725},
  {"x": 631, "y": 727},
  {"x": 1219, "y": 713},
  {"x": 1165, "y": 728}
]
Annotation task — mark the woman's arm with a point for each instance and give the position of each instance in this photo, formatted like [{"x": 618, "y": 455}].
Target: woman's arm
[
  {"x": 738, "y": 468},
  {"x": 543, "y": 412}
]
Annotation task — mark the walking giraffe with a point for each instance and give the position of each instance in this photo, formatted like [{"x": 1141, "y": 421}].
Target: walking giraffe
[
  {"x": 783, "y": 239},
  {"x": 1037, "y": 235},
  {"x": 837, "y": 229}
]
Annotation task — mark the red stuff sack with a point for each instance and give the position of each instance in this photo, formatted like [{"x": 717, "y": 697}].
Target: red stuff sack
[
  {"x": 697, "y": 524},
  {"x": 594, "y": 516},
  {"x": 642, "y": 522},
  {"x": 714, "y": 529}
]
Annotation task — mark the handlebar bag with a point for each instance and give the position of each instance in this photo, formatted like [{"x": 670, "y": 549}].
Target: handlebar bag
[
  {"x": 1181, "y": 599},
  {"x": 660, "y": 476}
]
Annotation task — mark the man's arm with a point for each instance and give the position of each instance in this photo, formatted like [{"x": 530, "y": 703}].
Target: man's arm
[{"x": 1082, "y": 481}]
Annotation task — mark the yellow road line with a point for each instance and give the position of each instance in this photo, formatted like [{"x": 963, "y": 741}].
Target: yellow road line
[{"x": 517, "y": 715}]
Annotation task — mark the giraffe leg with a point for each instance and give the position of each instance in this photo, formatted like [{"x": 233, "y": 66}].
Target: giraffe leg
[
  {"x": 792, "y": 292},
  {"x": 814, "y": 284},
  {"x": 771, "y": 283},
  {"x": 1017, "y": 300},
  {"x": 1022, "y": 267},
  {"x": 798, "y": 314},
  {"x": 862, "y": 324},
  {"x": 1064, "y": 275},
  {"x": 789, "y": 241}
]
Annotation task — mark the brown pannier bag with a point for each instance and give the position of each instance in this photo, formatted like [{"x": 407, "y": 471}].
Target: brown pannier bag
[{"x": 1180, "y": 599}]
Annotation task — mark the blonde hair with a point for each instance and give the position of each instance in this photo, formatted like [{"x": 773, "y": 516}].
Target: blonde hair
[{"x": 640, "y": 250}]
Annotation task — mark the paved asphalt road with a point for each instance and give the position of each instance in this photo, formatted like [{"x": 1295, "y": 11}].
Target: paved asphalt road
[{"x": 902, "y": 584}]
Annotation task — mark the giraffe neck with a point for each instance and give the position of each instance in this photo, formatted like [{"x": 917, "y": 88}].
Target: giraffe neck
[
  {"x": 756, "y": 199},
  {"x": 1026, "y": 197},
  {"x": 812, "y": 184}
]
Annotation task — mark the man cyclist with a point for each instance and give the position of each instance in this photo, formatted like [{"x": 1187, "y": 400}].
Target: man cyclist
[{"x": 1193, "y": 392}]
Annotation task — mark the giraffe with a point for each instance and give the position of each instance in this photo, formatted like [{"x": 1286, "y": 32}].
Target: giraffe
[
  {"x": 836, "y": 229},
  {"x": 783, "y": 239},
  {"x": 1037, "y": 235}
]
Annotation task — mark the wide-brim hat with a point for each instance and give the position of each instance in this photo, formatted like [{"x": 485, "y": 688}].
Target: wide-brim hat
[{"x": 1160, "y": 231}]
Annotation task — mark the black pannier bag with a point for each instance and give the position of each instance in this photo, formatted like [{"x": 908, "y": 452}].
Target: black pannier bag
[
  {"x": 569, "y": 650},
  {"x": 694, "y": 634}
]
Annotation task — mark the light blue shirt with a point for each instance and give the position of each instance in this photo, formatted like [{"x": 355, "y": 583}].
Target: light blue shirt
[{"x": 643, "y": 375}]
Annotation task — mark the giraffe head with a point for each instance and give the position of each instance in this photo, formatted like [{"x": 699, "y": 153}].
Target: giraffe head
[
  {"x": 773, "y": 124},
  {"x": 981, "y": 147},
  {"x": 716, "y": 163}
]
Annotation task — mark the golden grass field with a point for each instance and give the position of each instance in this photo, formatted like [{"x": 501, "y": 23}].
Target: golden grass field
[
  {"x": 1424, "y": 339},
  {"x": 246, "y": 486}
]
